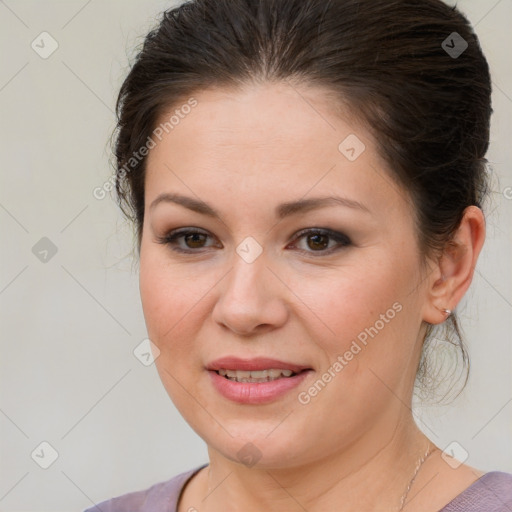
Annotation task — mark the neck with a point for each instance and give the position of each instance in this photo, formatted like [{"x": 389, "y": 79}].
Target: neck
[{"x": 370, "y": 474}]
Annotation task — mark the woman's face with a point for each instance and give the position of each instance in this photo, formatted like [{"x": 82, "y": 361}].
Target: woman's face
[{"x": 347, "y": 306}]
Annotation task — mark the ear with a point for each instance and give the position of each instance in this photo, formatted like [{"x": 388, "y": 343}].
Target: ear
[{"x": 452, "y": 274}]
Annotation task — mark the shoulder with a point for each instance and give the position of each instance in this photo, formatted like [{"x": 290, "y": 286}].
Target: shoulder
[
  {"x": 160, "y": 497},
  {"x": 492, "y": 492}
]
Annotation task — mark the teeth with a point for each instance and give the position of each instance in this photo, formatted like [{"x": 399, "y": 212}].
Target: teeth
[{"x": 254, "y": 376}]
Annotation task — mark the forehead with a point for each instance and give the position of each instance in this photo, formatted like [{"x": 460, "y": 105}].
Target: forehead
[
  {"x": 275, "y": 116},
  {"x": 273, "y": 139}
]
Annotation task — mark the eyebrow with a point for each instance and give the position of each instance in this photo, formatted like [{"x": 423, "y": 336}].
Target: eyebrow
[{"x": 283, "y": 210}]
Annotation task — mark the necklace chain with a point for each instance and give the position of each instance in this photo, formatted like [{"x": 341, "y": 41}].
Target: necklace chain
[{"x": 418, "y": 466}]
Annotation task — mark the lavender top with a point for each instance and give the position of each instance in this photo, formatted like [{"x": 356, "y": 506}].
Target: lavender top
[{"x": 492, "y": 492}]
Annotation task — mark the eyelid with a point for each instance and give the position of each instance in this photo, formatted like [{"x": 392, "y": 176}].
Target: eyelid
[
  {"x": 339, "y": 237},
  {"x": 336, "y": 235},
  {"x": 175, "y": 234}
]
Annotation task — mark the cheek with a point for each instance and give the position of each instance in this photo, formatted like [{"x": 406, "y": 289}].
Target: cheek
[
  {"x": 371, "y": 347},
  {"x": 351, "y": 299},
  {"x": 174, "y": 306},
  {"x": 154, "y": 293},
  {"x": 164, "y": 295},
  {"x": 365, "y": 313}
]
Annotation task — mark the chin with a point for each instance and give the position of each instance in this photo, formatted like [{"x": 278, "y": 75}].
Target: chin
[{"x": 256, "y": 449}]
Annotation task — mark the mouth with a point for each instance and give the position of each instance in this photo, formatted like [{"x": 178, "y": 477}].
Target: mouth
[
  {"x": 257, "y": 375},
  {"x": 257, "y": 368},
  {"x": 255, "y": 381}
]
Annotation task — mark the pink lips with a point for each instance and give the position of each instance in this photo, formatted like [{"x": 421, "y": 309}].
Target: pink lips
[
  {"x": 255, "y": 392},
  {"x": 257, "y": 363}
]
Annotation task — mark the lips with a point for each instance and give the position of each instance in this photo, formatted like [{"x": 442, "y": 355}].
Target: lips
[
  {"x": 254, "y": 375},
  {"x": 255, "y": 364},
  {"x": 255, "y": 381}
]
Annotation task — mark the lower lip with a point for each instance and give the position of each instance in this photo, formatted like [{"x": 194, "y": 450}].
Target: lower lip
[{"x": 256, "y": 392}]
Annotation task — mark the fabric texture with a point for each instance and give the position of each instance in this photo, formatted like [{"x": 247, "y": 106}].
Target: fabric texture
[{"x": 492, "y": 492}]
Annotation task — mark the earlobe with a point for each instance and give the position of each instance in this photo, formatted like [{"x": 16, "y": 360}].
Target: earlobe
[{"x": 455, "y": 267}]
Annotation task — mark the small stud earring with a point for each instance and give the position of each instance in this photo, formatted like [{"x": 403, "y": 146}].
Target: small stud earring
[{"x": 447, "y": 311}]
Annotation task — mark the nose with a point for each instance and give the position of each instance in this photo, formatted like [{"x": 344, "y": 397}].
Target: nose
[{"x": 252, "y": 299}]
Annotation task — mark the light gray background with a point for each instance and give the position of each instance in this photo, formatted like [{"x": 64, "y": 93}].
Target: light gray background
[{"x": 69, "y": 326}]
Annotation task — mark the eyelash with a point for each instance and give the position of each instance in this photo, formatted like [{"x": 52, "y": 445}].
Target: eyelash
[{"x": 340, "y": 238}]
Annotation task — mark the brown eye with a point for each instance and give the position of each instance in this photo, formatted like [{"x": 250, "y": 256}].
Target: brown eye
[
  {"x": 194, "y": 240},
  {"x": 185, "y": 240},
  {"x": 317, "y": 242}
]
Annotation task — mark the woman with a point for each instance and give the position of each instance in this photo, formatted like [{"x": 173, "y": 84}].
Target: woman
[{"x": 306, "y": 181}]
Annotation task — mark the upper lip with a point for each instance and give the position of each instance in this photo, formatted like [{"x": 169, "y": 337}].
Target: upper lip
[{"x": 258, "y": 363}]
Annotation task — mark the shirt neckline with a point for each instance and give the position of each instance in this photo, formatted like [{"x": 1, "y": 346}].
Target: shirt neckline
[
  {"x": 179, "y": 494},
  {"x": 446, "y": 508}
]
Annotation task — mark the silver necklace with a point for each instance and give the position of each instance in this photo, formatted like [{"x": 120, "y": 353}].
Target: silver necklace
[{"x": 418, "y": 466}]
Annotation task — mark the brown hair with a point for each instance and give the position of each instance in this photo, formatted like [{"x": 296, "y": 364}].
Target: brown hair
[{"x": 423, "y": 91}]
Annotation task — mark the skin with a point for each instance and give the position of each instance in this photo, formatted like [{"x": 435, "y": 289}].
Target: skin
[{"x": 355, "y": 445}]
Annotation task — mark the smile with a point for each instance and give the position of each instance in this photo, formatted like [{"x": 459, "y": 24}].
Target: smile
[{"x": 255, "y": 376}]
